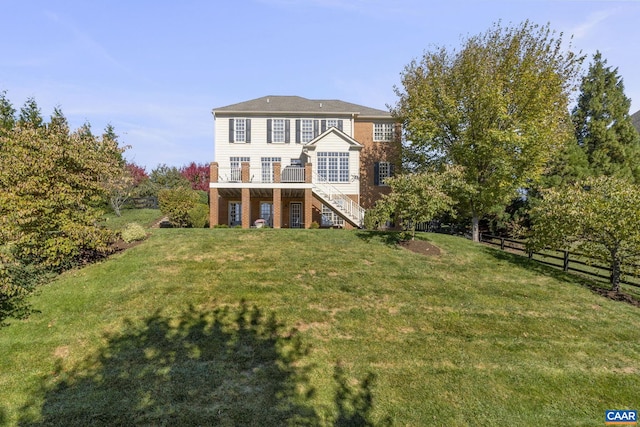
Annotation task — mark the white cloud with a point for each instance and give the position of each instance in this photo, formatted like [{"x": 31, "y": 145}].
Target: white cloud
[{"x": 594, "y": 20}]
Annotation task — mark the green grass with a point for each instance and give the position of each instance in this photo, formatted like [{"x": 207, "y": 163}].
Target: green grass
[
  {"x": 144, "y": 217},
  {"x": 257, "y": 327}
]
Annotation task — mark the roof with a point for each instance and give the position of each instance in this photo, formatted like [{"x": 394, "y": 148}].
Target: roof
[
  {"x": 297, "y": 104},
  {"x": 635, "y": 119}
]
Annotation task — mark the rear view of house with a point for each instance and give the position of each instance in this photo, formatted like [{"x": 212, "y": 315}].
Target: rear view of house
[{"x": 287, "y": 162}]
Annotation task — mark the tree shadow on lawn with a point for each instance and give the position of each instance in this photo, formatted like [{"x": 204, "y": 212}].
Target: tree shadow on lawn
[
  {"x": 389, "y": 238},
  {"x": 221, "y": 367}
]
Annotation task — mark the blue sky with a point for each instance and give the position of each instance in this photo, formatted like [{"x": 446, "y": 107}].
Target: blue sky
[{"x": 156, "y": 69}]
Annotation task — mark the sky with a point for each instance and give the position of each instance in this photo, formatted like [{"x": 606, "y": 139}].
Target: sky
[{"x": 156, "y": 69}]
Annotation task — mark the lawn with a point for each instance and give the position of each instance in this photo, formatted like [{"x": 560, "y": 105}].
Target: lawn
[{"x": 317, "y": 327}]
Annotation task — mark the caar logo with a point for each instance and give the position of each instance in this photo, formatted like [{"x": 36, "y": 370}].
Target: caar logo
[{"x": 620, "y": 417}]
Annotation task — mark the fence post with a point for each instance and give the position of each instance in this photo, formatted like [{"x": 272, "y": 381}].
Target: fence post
[
  {"x": 565, "y": 265},
  {"x": 502, "y": 243}
]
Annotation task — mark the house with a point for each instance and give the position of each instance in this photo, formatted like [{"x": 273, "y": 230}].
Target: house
[
  {"x": 288, "y": 161},
  {"x": 635, "y": 119}
]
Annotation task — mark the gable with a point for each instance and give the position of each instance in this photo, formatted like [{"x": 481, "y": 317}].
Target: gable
[{"x": 333, "y": 140}]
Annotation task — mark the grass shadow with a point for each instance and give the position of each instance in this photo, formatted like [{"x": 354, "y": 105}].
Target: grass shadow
[
  {"x": 227, "y": 366},
  {"x": 389, "y": 238},
  {"x": 532, "y": 265}
]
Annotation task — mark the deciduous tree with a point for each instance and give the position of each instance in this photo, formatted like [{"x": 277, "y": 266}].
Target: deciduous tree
[
  {"x": 416, "y": 198},
  {"x": 197, "y": 175},
  {"x": 498, "y": 107},
  {"x": 599, "y": 217}
]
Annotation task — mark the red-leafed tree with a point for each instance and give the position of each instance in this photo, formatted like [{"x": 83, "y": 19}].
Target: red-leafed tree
[
  {"x": 138, "y": 173},
  {"x": 197, "y": 174}
]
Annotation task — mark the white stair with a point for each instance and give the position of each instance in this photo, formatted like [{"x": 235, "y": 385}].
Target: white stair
[{"x": 339, "y": 202}]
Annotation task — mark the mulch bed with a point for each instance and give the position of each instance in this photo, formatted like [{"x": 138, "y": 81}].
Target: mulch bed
[{"x": 420, "y": 247}]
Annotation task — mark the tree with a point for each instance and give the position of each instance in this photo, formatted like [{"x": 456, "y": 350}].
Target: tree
[
  {"x": 497, "y": 107},
  {"x": 30, "y": 114},
  {"x": 164, "y": 176},
  {"x": 7, "y": 113},
  {"x": 603, "y": 126},
  {"x": 599, "y": 217},
  {"x": 177, "y": 203},
  {"x": 416, "y": 198},
  {"x": 197, "y": 175},
  {"x": 51, "y": 187}
]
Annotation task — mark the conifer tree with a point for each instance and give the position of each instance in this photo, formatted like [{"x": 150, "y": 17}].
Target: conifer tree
[{"x": 603, "y": 126}]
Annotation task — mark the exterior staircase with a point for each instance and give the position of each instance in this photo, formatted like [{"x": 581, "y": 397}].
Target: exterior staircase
[{"x": 339, "y": 202}]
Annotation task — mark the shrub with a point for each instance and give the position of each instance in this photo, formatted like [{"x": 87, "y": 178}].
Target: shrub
[
  {"x": 314, "y": 224},
  {"x": 133, "y": 232},
  {"x": 176, "y": 204},
  {"x": 199, "y": 216}
]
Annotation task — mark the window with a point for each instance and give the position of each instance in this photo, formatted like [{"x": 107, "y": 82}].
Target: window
[
  {"x": 326, "y": 124},
  {"x": 236, "y": 170},
  {"x": 278, "y": 130},
  {"x": 306, "y": 130},
  {"x": 383, "y": 131},
  {"x": 382, "y": 171},
  {"x": 333, "y": 167},
  {"x": 266, "y": 212},
  {"x": 267, "y": 167},
  {"x": 240, "y": 130},
  {"x": 235, "y": 213},
  {"x": 330, "y": 218}
]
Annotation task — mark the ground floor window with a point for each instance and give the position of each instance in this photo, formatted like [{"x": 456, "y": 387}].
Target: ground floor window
[
  {"x": 266, "y": 212},
  {"x": 235, "y": 214},
  {"x": 330, "y": 218}
]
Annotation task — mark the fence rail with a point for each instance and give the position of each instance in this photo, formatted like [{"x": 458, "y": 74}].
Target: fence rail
[{"x": 567, "y": 261}]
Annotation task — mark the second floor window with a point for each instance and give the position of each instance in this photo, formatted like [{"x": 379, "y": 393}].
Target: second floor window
[
  {"x": 267, "y": 167},
  {"x": 306, "y": 130},
  {"x": 383, "y": 131},
  {"x": 240, "y": 126},
  {"x": 240, "y": 130},
  {"x": 278, "y": 130},
  {"x": 333, "y": 167}
]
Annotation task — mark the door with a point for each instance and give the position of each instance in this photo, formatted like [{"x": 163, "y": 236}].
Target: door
[{"x": 295, "y": 215}]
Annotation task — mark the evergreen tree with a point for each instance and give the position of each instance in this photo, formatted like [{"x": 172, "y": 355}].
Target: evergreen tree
[
  {"x": 603, "y": 126},
  {"x": 30, "y": 114},
  {"x": 7, "y": 113}
]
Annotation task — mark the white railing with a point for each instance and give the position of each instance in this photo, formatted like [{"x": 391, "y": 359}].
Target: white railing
[
  {"x": 292, "y": 174},
  {"x": 288, "y": 174},
  {"x": 339, "y": 201}
]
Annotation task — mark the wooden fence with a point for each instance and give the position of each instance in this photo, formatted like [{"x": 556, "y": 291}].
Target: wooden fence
[{"x": 567, "y": 261}]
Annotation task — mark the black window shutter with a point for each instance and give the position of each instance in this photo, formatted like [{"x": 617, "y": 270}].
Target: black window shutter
[
  {"x": 248, "y": 130},
  {"x": 376, "y": 171},
  {"x": 391, "y": 169},
  {"x": 297, "y": 131},
  {"x": 340, "y": 124},
  {"x": 268, "y": 131},
  {"x": 315, "y": 128},
  {"x": 287, "y": 131},
  {"x": 231, "y": 135},
  {"x": 323, "y": 125}
]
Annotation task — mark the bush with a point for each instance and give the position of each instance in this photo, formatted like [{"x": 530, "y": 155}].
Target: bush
[
  {"x": 133, "y": 232},
  {"x": 176, "y": 204},
  {"x": 199, "y": 216},
  {"x": 314, "y": 225}
]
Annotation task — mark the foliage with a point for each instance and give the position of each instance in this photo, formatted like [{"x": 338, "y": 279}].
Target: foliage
[
  {"x": 51, "y": 182},
  {"x": 176, "y": 203},
  {"x": 7, "y": 113},
  {"x": 164, "y": 176},
  {"x": 599, "y": 217},
  {"x": 133, "y": 232},
  {"x": 197, "y": 175},
  {"x": 497, "y": 107},
  {"x": 603, "y": 126},
  {"x": 417, "y": 198},
  {"x": 199, "y": 216}
]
